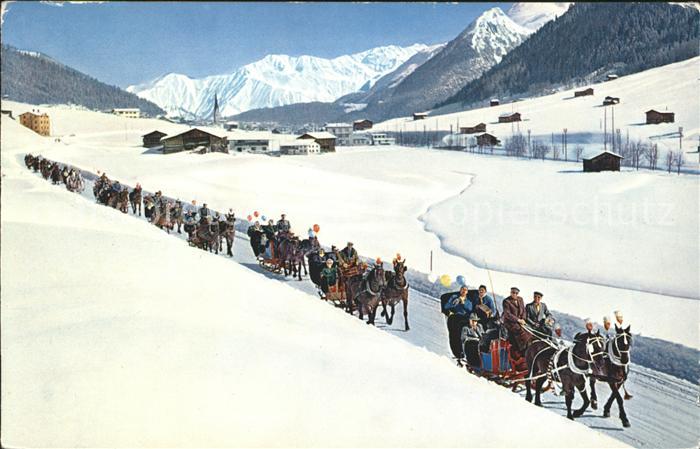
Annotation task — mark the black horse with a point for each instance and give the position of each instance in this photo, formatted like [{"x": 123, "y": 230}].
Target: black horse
[
  {"x": 617, "y": 360},
  {"x": 570, "y": 364},
  {"x": 396, "y": 290}
]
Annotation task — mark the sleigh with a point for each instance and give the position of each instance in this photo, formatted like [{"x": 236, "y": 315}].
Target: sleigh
[
  {"x": 335, "y": 294},
  {"x": 269, "y": 261}
]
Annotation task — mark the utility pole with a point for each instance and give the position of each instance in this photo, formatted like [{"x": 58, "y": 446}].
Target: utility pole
[
  {"x": 613, "y": 128},
  {"x": 529, "y": 148},
  {"x": 605, "y": 129},
  {"x": 566, "y": 155}
]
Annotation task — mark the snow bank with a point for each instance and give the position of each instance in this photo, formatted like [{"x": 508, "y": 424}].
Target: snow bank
[{"x": 114, "y": 334}]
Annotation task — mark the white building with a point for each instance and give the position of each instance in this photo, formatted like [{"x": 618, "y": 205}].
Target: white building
[
  {"x": 381, "y": 139},
  {"x": 261, "y": 146},
  {"x": 127, "y": 112},
  {"x": 341, "y": 131},
  {"x": 300, "y": 147},
  {"x": 360, "y": 138}
]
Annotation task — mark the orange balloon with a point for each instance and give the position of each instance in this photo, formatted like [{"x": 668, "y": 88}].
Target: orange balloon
[
  {"x": 256, "y": 213},
  {"x": 317, "y": 228}
]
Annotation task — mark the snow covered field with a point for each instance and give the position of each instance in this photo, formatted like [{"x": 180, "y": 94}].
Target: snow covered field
[
  {"x": 673, "y": 88},
  {"x": 378, "y": 197},
  {"x": 115, "y": 334}
]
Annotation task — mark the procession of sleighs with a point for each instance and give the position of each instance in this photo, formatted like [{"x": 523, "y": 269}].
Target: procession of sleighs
[{"x": 522, "y": 345}]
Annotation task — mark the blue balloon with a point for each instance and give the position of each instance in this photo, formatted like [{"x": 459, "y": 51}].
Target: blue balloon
[
  {"x": 264, "y": 218},
  {"x": 461, "y": 281}
]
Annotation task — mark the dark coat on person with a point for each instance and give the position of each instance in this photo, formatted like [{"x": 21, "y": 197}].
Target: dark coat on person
[
  {"x": 535, "y": 318},
  {"x": 255, "y": 240},
  {"x": 458, "y": 307},
  {"x": 283, "y": 226},
  {"x": 348, "y": 256},
  {"x": 514, "y": 310}
]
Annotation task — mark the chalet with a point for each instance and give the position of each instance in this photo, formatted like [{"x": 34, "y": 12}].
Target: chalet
[
  {"x": 325, "y": 139},
  {"x": 360, "y": 138},
  {"x": 263, "y": 146},
  {"x": 152, "y": 139},
  {"x": 494, "y": 102},
  {"x": 487, "y": 140},
  {"x": 420, "y": 115},
  {"x": 361, "y": 125},
  {"x": 480, "y": 128},
  {"x": 508, "y": 118},
  {"x": 655, "y": 117},
  {"x": 610, "y": 101},
  {"x": 604, "y": 161},
  {"x": 583, "y": 93},
  {"x": 192, "y": 138},
  {"x": 39, "y": 123}
]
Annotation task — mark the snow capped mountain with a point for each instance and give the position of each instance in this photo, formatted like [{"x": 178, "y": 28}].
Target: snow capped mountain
[
  {"x": 479, "y": 47},
  {"x": 275, "y": 80},
  {"x": 534, "y": 15}
]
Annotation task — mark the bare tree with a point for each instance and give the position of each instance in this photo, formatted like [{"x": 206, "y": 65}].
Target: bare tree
[
  {"x": 678, "y": 161},
  {"x": 516, "y": 145},
  {"x": 539, "y": 149},
  {"x": 579, "y": 151},
  {"x": 669, "y": 160},
  {"x": 652, "y": 155}
]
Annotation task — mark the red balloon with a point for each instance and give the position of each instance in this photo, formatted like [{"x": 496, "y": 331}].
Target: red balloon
[
  {"x": 256, "y": 213},
  {"x": 250, "y": 218},
  {"x": 317, "y": 228}
]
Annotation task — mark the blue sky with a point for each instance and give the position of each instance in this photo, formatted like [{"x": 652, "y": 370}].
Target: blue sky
[{"x": 126, "y": 43}]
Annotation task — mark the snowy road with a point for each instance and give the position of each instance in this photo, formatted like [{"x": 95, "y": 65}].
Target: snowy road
[{"x": 664, "y": 411}]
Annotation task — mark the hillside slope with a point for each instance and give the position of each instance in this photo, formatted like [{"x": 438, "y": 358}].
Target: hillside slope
[
  {"x": 34, "y": 78},
  {"x": 127, "y": 337}
]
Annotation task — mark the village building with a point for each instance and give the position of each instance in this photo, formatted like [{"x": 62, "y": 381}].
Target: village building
[
  {"x": 583, "y": 93},
  {"x": 39, "y": 123},
  {"x": 654, "y": 117},
  {"x": 611, "y": 77},
  {"x": 127, "y": 112},
  {"x": 193, "y": 138},
  {"x": 604, "y": 161},
  {"x": 230, "y": 126},
  {"x": 152, "y": 139},
  {"x": 263, "y": 146},
  {"x": 480, "y": 128},
  {"x": 420, "y": 115},
  {"x": 361, "y": 125},
  {"x": 487, "y": 140},
  {"x": 300, "y": 147},
  {"x": 494, "y": 102},
  {"x": 381, "y": 138},
  {"x": 610, "y": 101},
  {"x": 360, "y": 138},
  {"x": 508, "y": 118},
  {"x": 341, "y": 131},
  {"x": 325, "y": 139}
]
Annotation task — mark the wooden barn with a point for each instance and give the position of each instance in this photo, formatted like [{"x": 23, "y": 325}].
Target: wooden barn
[
  {"x": 604, "y": 161},
  {"x": 420, "y": 115},
  {"x": 654, "y": 117},
  {"x": 494, "y": 102},
  {"x": 193, "y": 138},
  {"x": 487, "y": 140},
  {"x": 508, "y": 118},
  {"x": 361, "y": 125},
  {"x": 325, "y": 140},
  {"x": 583, "y": 93},
  {"x": 480, "y": 128},
  {"x": 152, "y": 139},
  {"x": 610, "y": 101}
]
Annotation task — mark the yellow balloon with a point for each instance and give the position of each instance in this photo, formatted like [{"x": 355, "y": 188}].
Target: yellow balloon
[{"x": 445, "y": 280}]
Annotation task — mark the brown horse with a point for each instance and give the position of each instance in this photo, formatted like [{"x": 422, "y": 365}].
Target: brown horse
[
  {"x": 206, "y": 237},
  {"x": 135, "y": 199},
  {"x": 617, "y": 359},
  {"x": 161, "y": 217},
  {"x": 122, "y": 202},
  {"x": 227, "y": 230},
  {"x": 366, "y": 292},
  {"x": 291, "y": 256},
  {"x": 396, "y": 290}
]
